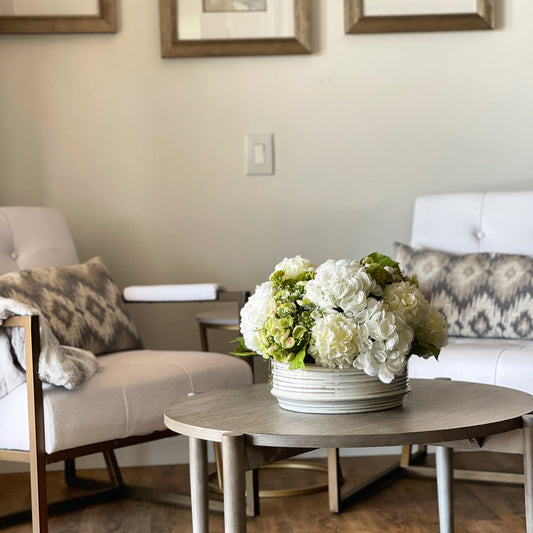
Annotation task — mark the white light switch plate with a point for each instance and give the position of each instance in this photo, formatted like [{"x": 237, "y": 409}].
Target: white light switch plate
[{"x": 259, "y": 154}]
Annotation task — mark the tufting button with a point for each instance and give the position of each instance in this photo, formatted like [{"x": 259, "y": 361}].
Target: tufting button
[
  {"x": 480, "y": 234},
  {"x": 14, "y": 255}
]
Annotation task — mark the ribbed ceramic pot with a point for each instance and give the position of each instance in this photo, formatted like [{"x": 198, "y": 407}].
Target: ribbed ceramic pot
[{"x": 334, "y": 390}]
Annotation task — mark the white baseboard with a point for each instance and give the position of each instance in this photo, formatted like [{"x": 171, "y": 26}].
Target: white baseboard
[{"x": 175, "y": 451}]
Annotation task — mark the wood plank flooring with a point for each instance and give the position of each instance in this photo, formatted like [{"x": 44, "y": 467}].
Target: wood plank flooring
[{"x": 407, "y": 505}]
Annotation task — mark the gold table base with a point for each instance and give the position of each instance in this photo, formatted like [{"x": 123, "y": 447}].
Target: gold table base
[{"x": 217, "y": 487}]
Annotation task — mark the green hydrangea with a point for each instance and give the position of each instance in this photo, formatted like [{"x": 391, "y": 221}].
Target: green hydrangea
[
  {"x": 285, "y": 335},
  {"x": 385, "y": 270}
]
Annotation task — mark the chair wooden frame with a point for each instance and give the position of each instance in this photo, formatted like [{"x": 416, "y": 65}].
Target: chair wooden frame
[{"x": 38, "y": 458}]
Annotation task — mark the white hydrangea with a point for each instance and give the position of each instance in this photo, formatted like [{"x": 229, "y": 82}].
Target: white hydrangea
[
  {"x": 364, "y": 315},
  {"x": 255, "y": 313},
  {"x": 406, "y": 300},
  {"x": 382, "y": 325},
  {"x": 391, "y": 345},
  {"x": 340, "y": 285},
  {"x": 334, "y": 341},
  {"x": 295, "y": 266},
  {"x": 433, "y": 331}
]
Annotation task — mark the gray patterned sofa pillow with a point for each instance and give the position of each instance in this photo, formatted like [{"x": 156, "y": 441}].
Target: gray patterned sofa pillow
[
  {"x": 481, "y": 294},
  {"x": 81, "y": 302}
]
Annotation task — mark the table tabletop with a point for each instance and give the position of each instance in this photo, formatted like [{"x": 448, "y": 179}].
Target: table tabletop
[{"x": 435, "y": 410}]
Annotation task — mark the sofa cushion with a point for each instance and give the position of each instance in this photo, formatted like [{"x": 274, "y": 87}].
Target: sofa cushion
[
  {"x": 131, "y": 388},
  {"x": 508, "y": 363},
  {"x": 81, "y": 302},
  {"x": 485, "y": 295}
]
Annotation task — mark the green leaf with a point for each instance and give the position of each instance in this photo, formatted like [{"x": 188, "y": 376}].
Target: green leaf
[
  {"x": 241, "y": 349},
  {"x": 383, "y": 260},
  {"x": 424, "y": 349},
  {"x": 298, "y": 361}
]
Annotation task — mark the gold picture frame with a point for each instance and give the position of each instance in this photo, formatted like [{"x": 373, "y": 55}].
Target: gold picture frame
[
  {"x": 103, "y": 22},
  {"x": 355, "y": 21},
  {"x": 174, "y": 46}
]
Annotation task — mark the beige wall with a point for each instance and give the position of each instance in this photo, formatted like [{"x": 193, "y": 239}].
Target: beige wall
[{"x": 144, "y": 155}]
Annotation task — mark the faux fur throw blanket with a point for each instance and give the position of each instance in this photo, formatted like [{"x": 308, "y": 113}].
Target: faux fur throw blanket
[{"x": 63, "y": 366}]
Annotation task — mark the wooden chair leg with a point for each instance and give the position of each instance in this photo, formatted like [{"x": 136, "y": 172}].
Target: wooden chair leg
[
  {"x": 113, "y": 469},
  {"x": 39, "y": 501},
  {"x": 115, "y": 476},
  {"x": 37, "y": 454}
]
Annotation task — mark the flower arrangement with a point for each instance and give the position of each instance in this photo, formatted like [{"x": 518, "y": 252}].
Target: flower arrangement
[{"x": 364, "y": 314}]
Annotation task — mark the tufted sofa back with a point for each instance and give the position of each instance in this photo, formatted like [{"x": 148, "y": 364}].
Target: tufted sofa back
[
  {"x": 475, "y": 222},
  {"x": 33, "y": 237}
]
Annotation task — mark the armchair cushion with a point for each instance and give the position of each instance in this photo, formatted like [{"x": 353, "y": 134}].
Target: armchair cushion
[
  {"x": 81, "y": 302},
  {"x": 484, "y": 295},
  {"x": 503, "y": 362},
  {"x": 131, "y": 389}
]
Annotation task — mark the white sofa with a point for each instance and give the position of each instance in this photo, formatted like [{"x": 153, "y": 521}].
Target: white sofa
[{"x": 466, "y": 223}]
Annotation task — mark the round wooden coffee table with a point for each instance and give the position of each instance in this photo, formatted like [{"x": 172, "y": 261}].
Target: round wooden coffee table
[{"x": 255, "y": 431}]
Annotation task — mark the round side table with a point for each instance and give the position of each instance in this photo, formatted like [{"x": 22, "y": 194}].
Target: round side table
[{"x": 222, "y": 320}]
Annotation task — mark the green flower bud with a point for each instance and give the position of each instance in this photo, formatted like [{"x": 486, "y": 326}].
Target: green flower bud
[
  {"x": 289, "y": 343},
  {"x": 298, "y": 332}
]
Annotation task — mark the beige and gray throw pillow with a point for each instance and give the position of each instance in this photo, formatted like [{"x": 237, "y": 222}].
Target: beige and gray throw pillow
[
  {"x": 81, "y": 302},
  {"x": 485, "y": 294}
]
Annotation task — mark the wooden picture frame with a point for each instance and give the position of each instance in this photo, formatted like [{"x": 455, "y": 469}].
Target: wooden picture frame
[
  {"x": 104, "y": 22},
  {"x": 174, "y": 46},
  {"x": 355, "y": 20}
]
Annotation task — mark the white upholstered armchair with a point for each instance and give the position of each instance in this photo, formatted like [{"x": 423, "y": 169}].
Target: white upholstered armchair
[
  {"x": 116, "y": 399},
  {"x": 473, "y": 254}
]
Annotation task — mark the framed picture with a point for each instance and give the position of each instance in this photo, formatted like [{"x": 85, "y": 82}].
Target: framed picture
[
  {"x": 57, "y": 16},
  {"x": 234, "y": 27},
  {"x": 382, "y": 16}
]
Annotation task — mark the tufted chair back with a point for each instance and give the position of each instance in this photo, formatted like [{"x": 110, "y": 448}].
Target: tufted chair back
[
  {"x": 495, "y": 221},
  {"x": 32, "y": 237}
]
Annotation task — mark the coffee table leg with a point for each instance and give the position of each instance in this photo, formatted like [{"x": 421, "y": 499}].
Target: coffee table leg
[
  {"x": 334, "y": 482},
  {"x": 234, "y": 483},
  {"x": 528, "y": 469},
  {"x": 199, "y": 496},
  {"x": 444, "y": 460}
]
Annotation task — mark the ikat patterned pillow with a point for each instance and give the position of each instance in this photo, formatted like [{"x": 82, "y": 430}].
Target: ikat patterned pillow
[
  {"x": 487, "y": 295},
  {"x": 81, "y": 302}
]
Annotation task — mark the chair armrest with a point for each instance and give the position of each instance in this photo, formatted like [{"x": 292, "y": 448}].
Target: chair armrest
[
  {"x": 184, "y": 292},
  {"x": 32, "y": 339},
  {"x": 32, "y": 349}
]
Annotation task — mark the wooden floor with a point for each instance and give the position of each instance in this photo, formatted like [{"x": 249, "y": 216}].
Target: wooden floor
[{"x": 407, "y": 505}]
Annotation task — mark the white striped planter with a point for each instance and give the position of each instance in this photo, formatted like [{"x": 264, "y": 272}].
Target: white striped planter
[{"x": 334, "y": 390}]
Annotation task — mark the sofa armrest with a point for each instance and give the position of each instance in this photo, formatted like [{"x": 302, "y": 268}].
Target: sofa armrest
[{"x": 183, "y": 292}]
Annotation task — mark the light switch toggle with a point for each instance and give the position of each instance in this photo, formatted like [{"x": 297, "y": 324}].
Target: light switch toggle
[{"x": 259, "y": 154}]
